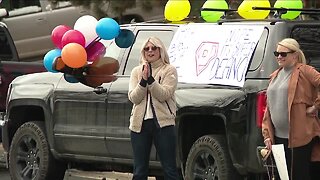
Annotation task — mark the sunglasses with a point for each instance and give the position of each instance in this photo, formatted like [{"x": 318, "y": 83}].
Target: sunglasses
[
  {"x": 153, "y": 48},
  {"x": 283, "y": 54}
]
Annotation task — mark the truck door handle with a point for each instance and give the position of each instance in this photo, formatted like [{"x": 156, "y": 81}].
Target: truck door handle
[{"x": 100, "y": 90}]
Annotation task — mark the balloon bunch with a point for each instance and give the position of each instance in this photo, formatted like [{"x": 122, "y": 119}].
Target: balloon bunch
[
  {"x": 79, "y": 52},
  {"x": 245, "y": 9},
  {"x": 177, "y": 10}
]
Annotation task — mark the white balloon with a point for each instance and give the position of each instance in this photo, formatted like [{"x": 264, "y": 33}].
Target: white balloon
[{"x": 87, "y": 26}]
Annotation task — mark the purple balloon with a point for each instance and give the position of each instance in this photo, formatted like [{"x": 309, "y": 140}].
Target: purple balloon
[
  {"x": 95, "y": 51},
  {"x": 73, "y": 36}
]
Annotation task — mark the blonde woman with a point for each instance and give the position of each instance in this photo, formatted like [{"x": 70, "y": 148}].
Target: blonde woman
[
  {"x": 292, "y": 105},
  {"x": 151, "y": 90}
]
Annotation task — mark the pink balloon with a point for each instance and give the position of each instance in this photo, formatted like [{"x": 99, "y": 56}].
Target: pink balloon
[
  {"x": 57, "y": 34},
  {"x": 95, "y": 51},
  {"x": 73, "y": 36}
]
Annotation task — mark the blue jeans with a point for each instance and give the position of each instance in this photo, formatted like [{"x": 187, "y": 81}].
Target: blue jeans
[{"x": 165, "y": 142}]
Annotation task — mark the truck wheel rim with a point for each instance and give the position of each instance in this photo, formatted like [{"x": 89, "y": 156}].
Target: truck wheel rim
[
  {"x": 27, "y": 159},
  {"x": 205, "y": 167}
]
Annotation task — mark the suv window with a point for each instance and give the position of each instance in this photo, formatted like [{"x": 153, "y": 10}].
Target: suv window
[
  {"x": 21, "y": 7},
  {"x": 142, "y": 35},
  {"x": 310, "y": 43},
  {"x": 60, "y": 4},
  {"x": 5, "y": 49}
]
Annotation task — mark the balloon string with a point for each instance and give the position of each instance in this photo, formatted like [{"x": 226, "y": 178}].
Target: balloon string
[{"x": 93, "y": 42}]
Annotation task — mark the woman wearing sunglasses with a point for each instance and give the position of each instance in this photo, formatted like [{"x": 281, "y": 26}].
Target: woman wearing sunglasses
[
  {"x": 292, "y": 106},
  {"x": 151, "y": 90}
]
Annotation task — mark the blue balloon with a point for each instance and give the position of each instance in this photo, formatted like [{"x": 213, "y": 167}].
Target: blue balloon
[
  {"x": 125, "y": 39},
  {"x": 49, "y": 59},
  {"x": 70, "y": 78},
  {"x": 107, "y": 28}
]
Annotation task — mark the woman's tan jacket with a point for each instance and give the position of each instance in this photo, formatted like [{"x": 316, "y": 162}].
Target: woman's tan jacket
[
  {"x": 162, "y": 93},
  {"x": 302, "y": 93}
]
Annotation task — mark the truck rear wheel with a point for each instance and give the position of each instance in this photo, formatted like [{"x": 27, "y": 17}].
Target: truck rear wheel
[
  {"x": 30, "y": 157},
  {"x": 209, "y": 159}
]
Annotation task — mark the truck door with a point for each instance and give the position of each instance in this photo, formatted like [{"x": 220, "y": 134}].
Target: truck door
[
  {"x": 79, "y": 119},
  {"x": 62, "y": 13},
  {"x": 80, "y": 115}
]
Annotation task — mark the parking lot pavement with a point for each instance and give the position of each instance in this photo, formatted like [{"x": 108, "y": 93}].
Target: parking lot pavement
[
  {"x": 2, "y": 161},
  {"x": 74, "y": 174}
]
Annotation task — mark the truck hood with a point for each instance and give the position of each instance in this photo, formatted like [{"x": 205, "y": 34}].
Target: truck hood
[
  {"x": 39, "y": 78},
  {"x": 208, "y": 96},
  {"x": 36, "y": 85},
  {"x": 192, "y": 95}
]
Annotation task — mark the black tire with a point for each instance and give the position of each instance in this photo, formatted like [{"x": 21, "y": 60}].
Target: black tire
[
  {"x": 30, "y": 157},
  {"x": 209, "y": 159}
]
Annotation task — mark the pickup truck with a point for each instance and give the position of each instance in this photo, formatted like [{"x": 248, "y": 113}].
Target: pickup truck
[
  {"x": 51, "y": 124},
  {"x": 11, "y": 65}
]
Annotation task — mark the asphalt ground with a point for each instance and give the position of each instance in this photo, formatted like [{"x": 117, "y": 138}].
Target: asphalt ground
[{"x": 74, "y": 174}]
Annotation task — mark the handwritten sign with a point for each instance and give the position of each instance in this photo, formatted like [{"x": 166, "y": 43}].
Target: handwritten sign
[
  {"x": 280, "y": 158},
  {"x": 213, "y": 54}
]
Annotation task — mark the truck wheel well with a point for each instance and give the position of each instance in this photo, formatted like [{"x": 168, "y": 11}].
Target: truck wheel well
[
  {"x": 22, "y": 114},
  {"x": 192, "y": 127}
]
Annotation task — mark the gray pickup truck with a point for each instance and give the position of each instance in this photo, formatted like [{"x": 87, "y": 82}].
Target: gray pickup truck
[{"x": 51, "y": 125}]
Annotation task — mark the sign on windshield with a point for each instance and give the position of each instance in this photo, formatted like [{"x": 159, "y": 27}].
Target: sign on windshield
[{"x": 213, "y": 54}]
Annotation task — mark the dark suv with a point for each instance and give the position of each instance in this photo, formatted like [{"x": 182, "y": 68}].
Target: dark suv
[{"x": 50, "y": 121}]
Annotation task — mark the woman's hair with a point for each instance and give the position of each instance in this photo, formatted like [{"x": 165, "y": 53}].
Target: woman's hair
[
  {"x": 158, "y": 43},
  {"x": 294, "y": 46}
]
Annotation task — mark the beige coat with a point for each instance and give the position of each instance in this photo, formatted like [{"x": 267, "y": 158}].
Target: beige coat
[
  {"x": 162, "y": 93},
  {"x": 302, "y": 93}
]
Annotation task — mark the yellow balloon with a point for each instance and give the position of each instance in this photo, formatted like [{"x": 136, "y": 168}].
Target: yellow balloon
[
  {"x": 177, "y": 10},
  {"x": 245, "y": 9}
]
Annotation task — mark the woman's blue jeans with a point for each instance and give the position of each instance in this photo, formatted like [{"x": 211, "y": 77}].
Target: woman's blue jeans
[{"x": 164, "y": 140}]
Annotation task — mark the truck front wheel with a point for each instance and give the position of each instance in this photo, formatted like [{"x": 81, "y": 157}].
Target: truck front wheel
[
  {"x": 209, "y": 159},
  {"x": 30, "y": 157}
]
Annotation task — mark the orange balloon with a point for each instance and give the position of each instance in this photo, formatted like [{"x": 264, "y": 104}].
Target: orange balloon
[{"x": 74, "y": 55}]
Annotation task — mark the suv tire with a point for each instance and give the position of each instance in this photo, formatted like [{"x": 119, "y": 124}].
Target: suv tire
[
  {"x": 209, "y": 159},
  {"x": 30, "y": 156}
]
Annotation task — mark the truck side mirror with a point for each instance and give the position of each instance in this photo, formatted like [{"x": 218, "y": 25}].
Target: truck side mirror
[{"x": 3, "y": 13}]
